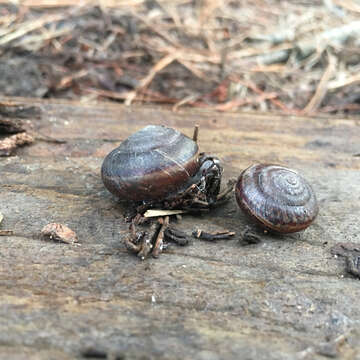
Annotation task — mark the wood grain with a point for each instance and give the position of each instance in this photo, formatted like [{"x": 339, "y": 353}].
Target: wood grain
[{"x": 285, "y": 298}]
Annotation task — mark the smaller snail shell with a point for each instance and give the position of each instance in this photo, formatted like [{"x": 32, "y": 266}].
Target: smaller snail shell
[{"x": 278, "y": 198}]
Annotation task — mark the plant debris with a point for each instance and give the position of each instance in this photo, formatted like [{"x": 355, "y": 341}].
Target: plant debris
[
  {"x": 249, "y": 236},
  {"x": 155, "y": 239},
  {"x": 221, "y": 55},
  {"x": 13, "y": 121},
  {"x": 6, "y": 232},
  {"x": 59, "y": 232},
  {"x": 176, "y": 236},
  {"x": 213, "y": 236},
  {"x": 160, "y": 212},
  {"x": 351, "y": 252},
  {"x": 10, "y": 143}
]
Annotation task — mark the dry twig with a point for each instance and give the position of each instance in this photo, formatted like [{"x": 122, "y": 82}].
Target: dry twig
[{"x": 322, "y": 88}]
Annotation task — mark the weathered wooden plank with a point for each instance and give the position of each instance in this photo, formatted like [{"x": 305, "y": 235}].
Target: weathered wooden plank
[{"x": 283, "y": 298}]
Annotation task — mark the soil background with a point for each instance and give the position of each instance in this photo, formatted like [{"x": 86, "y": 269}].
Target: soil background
[{"x": 293, "y": 57}]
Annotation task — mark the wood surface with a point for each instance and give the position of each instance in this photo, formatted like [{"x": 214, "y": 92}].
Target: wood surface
[{"x": 284, "y": 298}]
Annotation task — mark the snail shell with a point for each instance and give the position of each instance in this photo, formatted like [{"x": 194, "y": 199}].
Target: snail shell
[
  {"x": 278, "y": 198},
  {"x": 153, "y": 163}
]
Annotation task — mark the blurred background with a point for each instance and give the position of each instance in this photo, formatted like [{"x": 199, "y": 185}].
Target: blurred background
[{"x": 293, "y": 57}]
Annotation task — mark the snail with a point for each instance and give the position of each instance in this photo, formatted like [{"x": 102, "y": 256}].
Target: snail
[
  {"x": 159, "y": 167},
  {"x": 276, "y": 197},
  {"x": 158, "y": 164}
]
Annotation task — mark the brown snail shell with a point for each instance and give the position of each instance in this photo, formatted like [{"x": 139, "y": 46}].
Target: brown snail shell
[
  {"x": 278, "y": 198},
  {"x": 153, "y": 163}
]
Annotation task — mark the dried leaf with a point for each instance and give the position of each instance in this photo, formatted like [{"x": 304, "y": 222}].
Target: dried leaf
[{"x": 59, "y": 232}]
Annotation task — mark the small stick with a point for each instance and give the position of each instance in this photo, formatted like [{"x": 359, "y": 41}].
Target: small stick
[
  {"x": 228, "y": 190},
  {"x": 160, "y": 238},
  {"x": 219, "y": 235},
  {"x": 176, "y": 236},
  {"x": 139, "y": 219},
  {"x": 196, "y": 133},
  {"x": 190, "y": 189},
  {"x": 159, "y": 212},
  {"x": 201, "y": 203},
  {"x": 133, "y": 240},
  {"x": 6, "y": 232},
  {"x": 147, "y": 245},
  {"x": 131, "y": 246}
]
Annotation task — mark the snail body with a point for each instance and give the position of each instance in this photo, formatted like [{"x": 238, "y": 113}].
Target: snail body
[
  {"x": 155, "y": 163},
  {"x": 160, "y": 168},
  {"x": 277, "y": 198}
]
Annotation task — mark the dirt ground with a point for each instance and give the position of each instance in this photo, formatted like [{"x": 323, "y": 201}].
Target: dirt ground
[{"x": 298, "y": 57}]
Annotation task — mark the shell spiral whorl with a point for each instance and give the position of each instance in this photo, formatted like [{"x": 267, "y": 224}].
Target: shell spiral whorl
[
  {"x": 150, "y": 164},
  {"x": 277, "y": 197}
]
